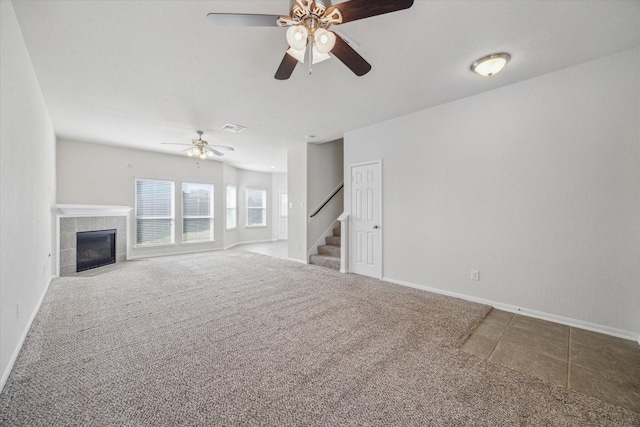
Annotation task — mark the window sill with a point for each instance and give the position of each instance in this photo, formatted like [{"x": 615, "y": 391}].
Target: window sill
[
  {"x": 195, "y": 242},
  {"x": 256, "y": 226},
  {"x": 161, "y": 245}
]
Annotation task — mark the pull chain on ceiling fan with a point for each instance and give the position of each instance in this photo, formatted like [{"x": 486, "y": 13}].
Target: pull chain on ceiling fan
[{"x": 308, "y": 30}]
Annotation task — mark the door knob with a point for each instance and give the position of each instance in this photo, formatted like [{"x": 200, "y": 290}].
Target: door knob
[{"x": 375, "y": 227}]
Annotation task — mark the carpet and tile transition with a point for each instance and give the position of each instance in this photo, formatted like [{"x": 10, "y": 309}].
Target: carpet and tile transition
[{"x": 230, "y": 338}]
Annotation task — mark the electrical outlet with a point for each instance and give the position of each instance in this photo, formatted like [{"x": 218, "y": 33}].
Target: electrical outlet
[{"x": 475, "y": 274}]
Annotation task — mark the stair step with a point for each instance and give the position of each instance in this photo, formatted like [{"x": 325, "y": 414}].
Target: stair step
[
  {"x": 332, "y": 241},
  {"x": 336, "y": 232},
  {"x": 325, "y": 261},
  {"x": 329, "y": 250}
]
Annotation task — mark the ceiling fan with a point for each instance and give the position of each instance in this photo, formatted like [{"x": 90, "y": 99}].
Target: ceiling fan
[
  {"x": 308, "y": 34},
  {"x": 201, "y": 148}
]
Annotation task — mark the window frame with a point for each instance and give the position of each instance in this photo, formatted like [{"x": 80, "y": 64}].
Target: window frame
[
  {"x": 263, "y": 208},
  {"x": 227, "y": 208},
  {"x": 211, "y": 215},
  {"x": 172, "y": 216}
]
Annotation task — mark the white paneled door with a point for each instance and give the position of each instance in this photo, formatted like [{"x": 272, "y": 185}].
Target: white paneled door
[{"x": 366, "y": 206}]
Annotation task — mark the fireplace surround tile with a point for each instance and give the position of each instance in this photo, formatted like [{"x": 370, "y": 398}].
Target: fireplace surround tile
[
  {"x": 110, "y": 222},
  {"x": 68, "y": 257},
  {"x": 67, "y": 240},
  {"x": 98, "y": 223},
  {"x": 83, "y": 223},
  {"x": 67, "y": 225}
]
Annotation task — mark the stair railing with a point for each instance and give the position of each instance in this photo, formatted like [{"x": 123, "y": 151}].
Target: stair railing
[{"x": 327, "y": 200}]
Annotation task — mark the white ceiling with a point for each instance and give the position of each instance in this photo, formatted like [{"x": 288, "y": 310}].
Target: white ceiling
[{"x": 137, "y": 73}]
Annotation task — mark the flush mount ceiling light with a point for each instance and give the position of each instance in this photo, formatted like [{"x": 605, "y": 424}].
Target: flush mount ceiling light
[{"x": 491, "y": 64}]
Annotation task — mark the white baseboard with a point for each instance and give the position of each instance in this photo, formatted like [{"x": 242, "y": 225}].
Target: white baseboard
[
  {"x": 299, "y": 261},
  {"x": 14, "y": 356},
  {"x": 594, "y": 327},
  {"x": 136, "y": 257}
]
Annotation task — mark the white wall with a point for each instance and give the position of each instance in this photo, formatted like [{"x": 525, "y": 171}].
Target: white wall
[
  {"x": 27, "y": 191},
  {"x": 297, "y": 192},
  {"x": 537, "y": 185}
]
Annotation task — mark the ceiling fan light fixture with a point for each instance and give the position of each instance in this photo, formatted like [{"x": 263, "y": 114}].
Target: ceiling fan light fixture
[
  {"x": 319, "y": 56},
  {"x": 297, "y": 53},
  {"x": 297, "y": 36},
  {"x": 324, "y": 40},
  {"x": 489, "y": 65}
]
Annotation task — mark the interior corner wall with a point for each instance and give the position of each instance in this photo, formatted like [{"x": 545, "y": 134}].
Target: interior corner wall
[
  {"x": 278, "y": 182},
  {"x": 97, "y": 174},
  {"x": 297, "y": 190},
  {"x": 27, "y": 191},
  {"x": 536, "y": 185},
  {"x": 230, "y": 177},
  {"x": 325, "y": 172}
]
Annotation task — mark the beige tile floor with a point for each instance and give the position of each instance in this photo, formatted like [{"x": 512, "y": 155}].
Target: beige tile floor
[{"x": 596, "y": 365}]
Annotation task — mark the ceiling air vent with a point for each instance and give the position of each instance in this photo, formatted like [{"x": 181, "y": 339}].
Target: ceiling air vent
[{"x": 233, "y": 128}]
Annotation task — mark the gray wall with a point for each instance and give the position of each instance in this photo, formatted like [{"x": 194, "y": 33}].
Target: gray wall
[
  {"x": 325, "y": 165},
  {"x": 96, "y": 174},
  {"x": 251, "y": 179},
  {"x": 537, "y": 185},
  {"x": 27, "y": 191}
]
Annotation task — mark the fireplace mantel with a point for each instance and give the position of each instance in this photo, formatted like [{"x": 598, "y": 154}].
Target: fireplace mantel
[{"x": 92, "y": 210}]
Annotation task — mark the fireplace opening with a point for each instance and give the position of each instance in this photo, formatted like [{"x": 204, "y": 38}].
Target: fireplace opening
[{"x": 95, "y": 249}]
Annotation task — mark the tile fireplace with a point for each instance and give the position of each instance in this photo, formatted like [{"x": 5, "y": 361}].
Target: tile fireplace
[{"x": 104, "y": 228}]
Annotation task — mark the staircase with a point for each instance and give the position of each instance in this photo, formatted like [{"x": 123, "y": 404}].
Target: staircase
[{"x": 329, "y": 254}]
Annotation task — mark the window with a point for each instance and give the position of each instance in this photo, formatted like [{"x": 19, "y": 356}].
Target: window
[
  {"x": 154, "y": 212},
  {"x": 256, "y": 207},
  {"x": 232, "y": 207},
  {"x": 197, "y": 212}
]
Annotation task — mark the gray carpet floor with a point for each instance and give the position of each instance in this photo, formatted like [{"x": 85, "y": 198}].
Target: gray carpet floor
[{"x": 238, "y": 338}]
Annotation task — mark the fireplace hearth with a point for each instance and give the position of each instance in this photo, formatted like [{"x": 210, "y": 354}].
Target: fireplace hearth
[{"x": 95, "y": 249}]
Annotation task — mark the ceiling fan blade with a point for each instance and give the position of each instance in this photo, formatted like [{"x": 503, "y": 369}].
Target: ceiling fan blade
[
  {"x": 353, "y": 10},
  {"x": 242, "y": 20},
  {"x": 222, "y": 147},
  {"x": 216, "y": 152},
  {"x": 350, "y": 57},
  {"x": 286, "y": 67}
]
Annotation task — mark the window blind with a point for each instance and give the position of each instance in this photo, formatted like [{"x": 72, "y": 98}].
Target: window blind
[
  {"x": 197, "y": 212},
  {"x": 154, "y": 212}
]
